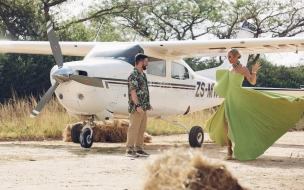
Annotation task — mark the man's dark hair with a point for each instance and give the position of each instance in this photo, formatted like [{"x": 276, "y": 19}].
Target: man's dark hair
[{"x": 139, "y": 57}]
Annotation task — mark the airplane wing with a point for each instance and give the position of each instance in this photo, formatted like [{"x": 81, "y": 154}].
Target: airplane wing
[
  {"x": 208, "y": 48},
  {"x": 43, "y": 47},
  {"x": 178, "y": 49}
]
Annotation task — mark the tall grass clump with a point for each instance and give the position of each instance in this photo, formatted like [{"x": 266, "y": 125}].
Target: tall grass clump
[{"x": 15, "y": 121}]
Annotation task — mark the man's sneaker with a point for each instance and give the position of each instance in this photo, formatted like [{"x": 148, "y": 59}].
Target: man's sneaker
[
  {"x": 131, "y": 153},
  {"x": 142, "y": 153}
]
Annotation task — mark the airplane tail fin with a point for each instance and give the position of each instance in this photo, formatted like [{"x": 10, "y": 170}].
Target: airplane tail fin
[{"x": 247, "y": 31}]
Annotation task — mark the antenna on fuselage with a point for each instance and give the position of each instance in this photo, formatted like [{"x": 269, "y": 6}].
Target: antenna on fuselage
[{"x": 98, "y": 32}]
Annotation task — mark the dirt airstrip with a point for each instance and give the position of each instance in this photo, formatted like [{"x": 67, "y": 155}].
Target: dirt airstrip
[{"x": 64, "y": 165}]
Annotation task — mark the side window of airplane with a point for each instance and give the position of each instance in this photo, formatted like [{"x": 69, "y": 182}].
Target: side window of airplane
[
  {"x": 156, "y": 67},
  {"x": 179, "y": 71}
]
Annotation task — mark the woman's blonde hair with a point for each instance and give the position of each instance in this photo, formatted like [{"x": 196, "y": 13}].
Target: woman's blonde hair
[{"x": 235, "y": 52}]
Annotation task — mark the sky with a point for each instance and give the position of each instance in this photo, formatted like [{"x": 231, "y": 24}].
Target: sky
[{"x": 73, "y": 8}]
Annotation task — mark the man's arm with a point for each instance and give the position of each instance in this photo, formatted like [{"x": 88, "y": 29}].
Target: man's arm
[
  {"x": 135, "y": 100},
  {"x": 134, "y": 96}
]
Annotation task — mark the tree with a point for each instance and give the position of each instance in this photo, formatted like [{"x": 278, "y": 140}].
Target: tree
[
  {"x": 197, "y": 64},
  {"x": 172, "y": 19},
  {"x": 26, "y": 20},
  {"x": 278, "y": 76},
  {"x": 16, "y": 18},
  {"x": 273, "y": 18}
]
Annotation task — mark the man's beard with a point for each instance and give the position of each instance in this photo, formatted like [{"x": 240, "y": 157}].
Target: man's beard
[{"x": 144, "y": 67}]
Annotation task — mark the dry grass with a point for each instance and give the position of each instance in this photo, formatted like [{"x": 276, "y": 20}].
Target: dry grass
[
  {"x": 299, "y": 125},
  {"x": 184, "y": 169},
  {"x": 15, "y": 122}
]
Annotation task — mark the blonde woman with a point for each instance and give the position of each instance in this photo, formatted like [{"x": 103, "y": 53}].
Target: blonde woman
[{"x": 248, "y": 122}]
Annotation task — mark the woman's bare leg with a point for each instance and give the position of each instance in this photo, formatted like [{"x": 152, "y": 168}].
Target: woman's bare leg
[{"x": 228, "y": 141}]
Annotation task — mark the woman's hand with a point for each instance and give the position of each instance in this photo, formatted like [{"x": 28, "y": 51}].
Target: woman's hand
[{"x": 256, "y": 67}]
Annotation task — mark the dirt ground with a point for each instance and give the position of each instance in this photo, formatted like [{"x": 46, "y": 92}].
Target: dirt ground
[{"x": 60, "y": 165}]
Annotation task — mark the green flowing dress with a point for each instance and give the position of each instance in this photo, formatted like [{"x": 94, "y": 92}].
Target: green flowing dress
[{"x": 256, "y": 118}]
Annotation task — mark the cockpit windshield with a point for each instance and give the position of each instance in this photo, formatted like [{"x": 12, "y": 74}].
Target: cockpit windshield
[{"x": 125, "y": 52}]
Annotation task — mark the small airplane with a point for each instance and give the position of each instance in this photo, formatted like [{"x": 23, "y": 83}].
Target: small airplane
[{"x": 95, "y": 89}]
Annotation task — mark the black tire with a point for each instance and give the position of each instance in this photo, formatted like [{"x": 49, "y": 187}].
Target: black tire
[
  {"x": 75, "y": 132},
  {"x": 85, "y": 140},
  {"x": 196, "y": 136}
]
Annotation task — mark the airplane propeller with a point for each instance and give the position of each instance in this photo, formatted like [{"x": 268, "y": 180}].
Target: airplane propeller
[
  {"x": 87, "y": 80},
  {"x": 63, "y": 74},
  {"x": 44, "y": 100},
  {"x": 54, "y": 43}
]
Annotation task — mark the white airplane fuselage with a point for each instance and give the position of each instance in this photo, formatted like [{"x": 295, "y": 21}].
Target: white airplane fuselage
[{"x": 169, "y": 96}]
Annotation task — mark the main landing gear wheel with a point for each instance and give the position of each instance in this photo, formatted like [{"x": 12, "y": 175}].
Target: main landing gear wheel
[
  {"x": 196, "y": 136},
  {"x": 85, "y": 138},
  {"x": 75, "y": 132}
]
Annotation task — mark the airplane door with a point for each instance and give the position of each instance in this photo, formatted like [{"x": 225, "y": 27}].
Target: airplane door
[
  {"x": 181, "y": 89},
  {"x": 156, "y": 75}
]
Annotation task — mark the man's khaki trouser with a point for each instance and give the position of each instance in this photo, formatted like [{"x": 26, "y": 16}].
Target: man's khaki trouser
[{"x": 137, "y": 127}]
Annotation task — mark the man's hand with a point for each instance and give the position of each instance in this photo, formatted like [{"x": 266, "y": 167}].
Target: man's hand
[
  {"x": 139, "y": 109},
  {"x": 151, "y": 108}
]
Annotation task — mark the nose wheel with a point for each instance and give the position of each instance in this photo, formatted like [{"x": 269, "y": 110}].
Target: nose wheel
[
  {"x": 86, "y": 138},
  {"x": 86, "y": 135},
  {"x": 75, "y": 132}
]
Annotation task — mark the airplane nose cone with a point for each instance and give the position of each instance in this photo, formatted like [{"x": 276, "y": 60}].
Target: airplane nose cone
[{"x": 62, "y": 74}]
